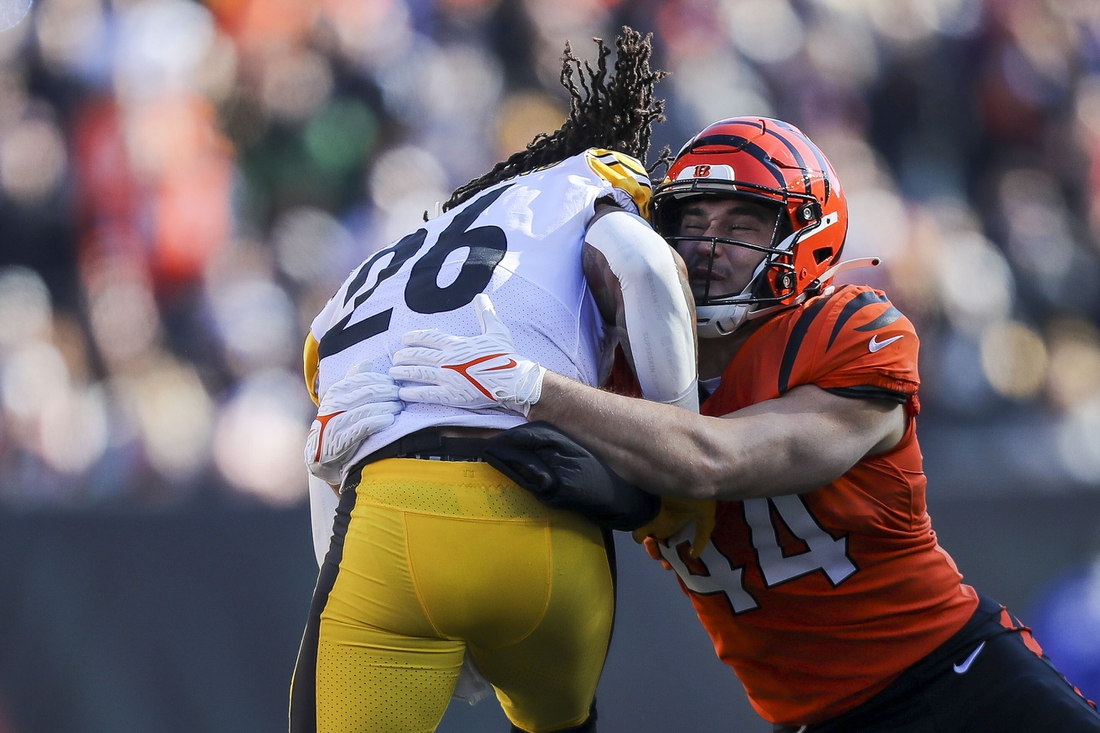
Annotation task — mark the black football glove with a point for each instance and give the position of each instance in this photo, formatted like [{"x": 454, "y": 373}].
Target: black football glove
[{"x": 562, "y": 474}]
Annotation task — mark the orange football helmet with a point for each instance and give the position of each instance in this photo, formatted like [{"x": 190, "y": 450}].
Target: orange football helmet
[{"x": 771, "y": 162}]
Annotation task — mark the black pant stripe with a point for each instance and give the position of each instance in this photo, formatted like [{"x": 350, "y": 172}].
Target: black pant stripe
[{"x": 303, "y": 687}]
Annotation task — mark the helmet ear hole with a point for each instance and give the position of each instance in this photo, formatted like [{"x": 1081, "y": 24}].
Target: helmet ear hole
[
  {"x": 820, "y": 255},
  {"x": 809, "y": 212}
]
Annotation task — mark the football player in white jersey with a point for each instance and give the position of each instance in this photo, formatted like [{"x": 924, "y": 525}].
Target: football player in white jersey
[{"x": 435, "y": 556}]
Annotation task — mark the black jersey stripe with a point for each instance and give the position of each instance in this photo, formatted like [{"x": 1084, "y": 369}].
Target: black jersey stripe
[
  {"x": 794, "y": 343},
  {"x": 632, "y": 165},
  {"x": 625, "y": 163},
  {"x": 887, "y": 317},
  {"x": 640, "y": 180},
  {"x": 870, "y": 392},
  {"x": 856, "y": 304}
]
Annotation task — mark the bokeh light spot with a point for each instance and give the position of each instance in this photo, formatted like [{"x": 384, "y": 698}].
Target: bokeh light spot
[
  {"x": 308, "y": 244},
  {"x": 161, "y": 45},
  {"x": 257, "y": 323},
  {"x": 524, "y": 115},
  {"x": 30, "y": 376},
  {"x": 260, "y": 436},
  {"x": 73, "y": 428},
  {"x": 175, "y": 415},
  {"x": 124, "y": 320},
  {"x": 406, "y": 173},
  {"x": 12, "y": 13},
  {"x": 24, "y": 306},
  {"x": 1014, "y": 359},
  {"x": 341, "y": 135},
  {"x": 295, "y": 85},
  {"x": 976, "y": 282},
  {"x": 766, "y": 31},
  {"x": 32, "y": 160},
  {"x": 1079, "y": 441},
  {"x": 1074, "y": 375}
]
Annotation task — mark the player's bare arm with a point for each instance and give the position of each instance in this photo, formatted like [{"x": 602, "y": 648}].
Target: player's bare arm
[
  {"x": 791, "y": 444},
  {"x": 795, "y": 443}
]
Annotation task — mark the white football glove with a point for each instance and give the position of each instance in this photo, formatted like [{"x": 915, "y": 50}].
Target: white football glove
[
  {"x": 353, "y": 409},
  {"x": 472, "y": 372}
]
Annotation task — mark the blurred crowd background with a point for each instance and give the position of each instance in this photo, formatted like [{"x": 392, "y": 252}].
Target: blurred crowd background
[{"x": 183, "y": 185}]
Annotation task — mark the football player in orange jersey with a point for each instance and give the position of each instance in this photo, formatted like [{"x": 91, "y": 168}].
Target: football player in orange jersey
[{"x": 824, "y": 586}]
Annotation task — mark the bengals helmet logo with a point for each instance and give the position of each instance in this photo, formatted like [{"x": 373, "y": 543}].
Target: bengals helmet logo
[{"x": 701, "y": 171}]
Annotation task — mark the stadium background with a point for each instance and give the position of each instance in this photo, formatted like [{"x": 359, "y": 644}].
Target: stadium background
[{"x": 182, "y": 186}]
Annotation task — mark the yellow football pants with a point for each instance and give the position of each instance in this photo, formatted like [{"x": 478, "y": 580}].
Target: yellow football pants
[{"x": 433, "y": 559}]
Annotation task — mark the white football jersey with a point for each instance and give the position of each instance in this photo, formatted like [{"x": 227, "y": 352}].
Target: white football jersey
[{"x": 519, "y": 241}]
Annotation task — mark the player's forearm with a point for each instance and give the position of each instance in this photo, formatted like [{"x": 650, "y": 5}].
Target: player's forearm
[
  {"x": 660, "y": 448},
  {"x": 769, "y": 449}
]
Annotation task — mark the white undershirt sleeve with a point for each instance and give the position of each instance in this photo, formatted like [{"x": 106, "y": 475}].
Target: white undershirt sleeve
[{"x": 658, "y": 317}]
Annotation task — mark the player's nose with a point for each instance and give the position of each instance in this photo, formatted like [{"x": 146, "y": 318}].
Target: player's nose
[
  {"x": 704, "y": 246},
  {"x": 714, "y": 229}
]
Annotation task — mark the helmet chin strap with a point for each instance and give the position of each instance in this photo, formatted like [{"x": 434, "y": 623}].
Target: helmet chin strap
[{"x": 716, "y": 321}]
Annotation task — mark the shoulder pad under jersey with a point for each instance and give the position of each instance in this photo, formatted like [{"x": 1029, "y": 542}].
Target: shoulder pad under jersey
[{"x": 624, "y": 173}]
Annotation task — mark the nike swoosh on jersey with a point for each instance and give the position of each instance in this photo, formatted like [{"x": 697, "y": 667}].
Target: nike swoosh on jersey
[
  {"x": 874, "y": 344},
  {"x": 961, "y": 668}
]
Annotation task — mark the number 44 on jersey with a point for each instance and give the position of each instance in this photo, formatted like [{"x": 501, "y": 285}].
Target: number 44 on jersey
[{"x": 825, "y": 553}]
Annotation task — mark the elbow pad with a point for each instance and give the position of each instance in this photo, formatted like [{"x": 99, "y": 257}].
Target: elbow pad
[{"x": 658, "y": 317}]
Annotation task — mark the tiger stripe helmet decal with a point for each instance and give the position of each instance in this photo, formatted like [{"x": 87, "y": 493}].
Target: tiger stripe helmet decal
[{"x": 772, "y": 162}]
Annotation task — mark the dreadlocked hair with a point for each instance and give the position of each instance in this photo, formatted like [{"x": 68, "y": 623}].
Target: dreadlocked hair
[{"x": 613, "y": 112}]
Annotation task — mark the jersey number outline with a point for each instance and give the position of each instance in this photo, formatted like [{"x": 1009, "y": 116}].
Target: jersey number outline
[
  {"x": 487, "y": 246},
  {"x": 825, "y": 553}
]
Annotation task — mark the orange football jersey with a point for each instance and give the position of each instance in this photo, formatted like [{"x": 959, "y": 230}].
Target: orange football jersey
[{"x": 818, "y": 601}]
